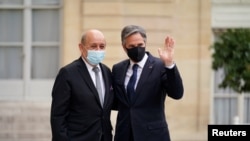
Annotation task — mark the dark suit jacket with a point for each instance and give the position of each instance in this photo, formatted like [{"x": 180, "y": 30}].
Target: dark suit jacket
[
  {"x": 145, "y": 117},
  {"x": 76, "y": 112}
]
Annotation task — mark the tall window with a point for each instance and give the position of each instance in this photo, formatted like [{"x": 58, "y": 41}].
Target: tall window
[
  {"x": 29, "y": 46},
  {"x": 228, "y": 106}
]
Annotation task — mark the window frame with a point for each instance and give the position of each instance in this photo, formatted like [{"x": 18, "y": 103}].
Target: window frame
[{"x": 27, "y": 88}]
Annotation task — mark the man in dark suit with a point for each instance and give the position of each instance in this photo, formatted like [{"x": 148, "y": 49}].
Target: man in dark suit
[
  {"x": 141, "y": 114},
  {"x": 79, "y": 111}
]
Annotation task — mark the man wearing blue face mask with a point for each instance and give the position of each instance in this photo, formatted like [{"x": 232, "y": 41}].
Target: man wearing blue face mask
[
  {"x": 141, "y": 85},
  {"x": 82, "y": 95}
]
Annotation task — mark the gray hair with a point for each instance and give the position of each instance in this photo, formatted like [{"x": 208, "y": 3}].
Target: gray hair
[{"x": 132, "y": 29}]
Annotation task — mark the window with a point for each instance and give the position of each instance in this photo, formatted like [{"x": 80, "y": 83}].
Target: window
[
  {"x": 228, "y": 106},
  {"x": 29, "y": 47}
]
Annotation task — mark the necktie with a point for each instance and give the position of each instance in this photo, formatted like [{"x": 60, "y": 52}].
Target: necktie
[
  {"x": 98, "y": 83},
  {"x": 131, "y": 84}
]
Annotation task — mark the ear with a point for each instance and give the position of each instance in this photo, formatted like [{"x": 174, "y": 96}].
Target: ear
[{"x": 80, "y": 46}]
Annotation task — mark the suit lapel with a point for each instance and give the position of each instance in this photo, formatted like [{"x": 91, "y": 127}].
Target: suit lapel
[
  {"x": 86, "y": 77},
  {"x": 122, "y": 75},
  {"x": 106, "y": 84},
  {"x": 146, "y": 71}
]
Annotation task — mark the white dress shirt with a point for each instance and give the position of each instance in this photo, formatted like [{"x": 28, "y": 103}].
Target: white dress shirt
[{"x": 92, "y": 75}]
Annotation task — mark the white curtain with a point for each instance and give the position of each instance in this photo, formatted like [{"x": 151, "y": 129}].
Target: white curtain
[
  {"x": 45, "y": 57},
  {"x": 226, "y": 103}
]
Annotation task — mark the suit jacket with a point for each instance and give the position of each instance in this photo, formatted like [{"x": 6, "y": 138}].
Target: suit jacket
[
  {"x": 145, "y": 117},
  {"x": 76, "y": 112}
]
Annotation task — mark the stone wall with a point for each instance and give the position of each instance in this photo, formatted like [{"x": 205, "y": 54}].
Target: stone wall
[{"x": 187, "y": 21}]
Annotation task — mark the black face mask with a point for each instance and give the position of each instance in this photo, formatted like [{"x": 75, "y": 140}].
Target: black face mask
[{"x": 136, "y": 53}]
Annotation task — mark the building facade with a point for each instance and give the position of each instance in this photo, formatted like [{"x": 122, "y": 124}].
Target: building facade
[{"x": 40, "y": 36}]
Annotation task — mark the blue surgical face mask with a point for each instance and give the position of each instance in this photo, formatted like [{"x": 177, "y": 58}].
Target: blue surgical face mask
[{"x": 94, "y": 57}]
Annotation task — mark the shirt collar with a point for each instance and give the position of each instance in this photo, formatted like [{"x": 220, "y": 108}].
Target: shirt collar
[
  {"x": 89, "y": 67},
  {"x": 141, "y": 63}
]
